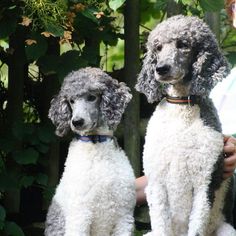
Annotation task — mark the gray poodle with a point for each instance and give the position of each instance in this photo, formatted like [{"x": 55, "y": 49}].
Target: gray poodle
[
  {"x": 183, "y": 151},
  {"x": 96, "y": 194}
]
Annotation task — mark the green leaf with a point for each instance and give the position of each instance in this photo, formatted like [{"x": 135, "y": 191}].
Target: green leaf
[
  {"x": 2, "y": 213},
  {"x": 46, "y": 134},
  {"x": 25, "y": 157},
  {"x": 115, "y": 4},
  {"x": 27, "y": 181},
  {"x": 231, "y": 56},
  {"x": 70, "y": 61},
  {"x": 38, "y": 49},
  {"x": 186, "y": 2},
  {"x": 48, "y": 193},
  {"x": 42, "y": 148},
  {"x": 211, "y": 5},
  {"x": 42, "y": 179},
  {"x": 89, "y": 13},
  {"x": 56, "y": 30},
  {"x": 11, "y": 228}
]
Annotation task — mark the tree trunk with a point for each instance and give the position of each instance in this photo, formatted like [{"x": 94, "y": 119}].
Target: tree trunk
[
  {"x": 131, "y": 130},
  {"x": 17, "y": 71},
  {"x": 213, "y": 20},
  {"x": 50, "y": 85}
]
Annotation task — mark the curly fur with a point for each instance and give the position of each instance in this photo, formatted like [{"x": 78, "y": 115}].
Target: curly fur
[
  {"x": 207, "y": 65},
  {"x": 183, "y": 151},
  {"x": 114, "y": 97},
  {"x": 96, "y": 194}
]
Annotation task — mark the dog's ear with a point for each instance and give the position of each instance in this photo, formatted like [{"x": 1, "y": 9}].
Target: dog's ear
[
  {"x": 147, "y": 84},
  {"x": 60, "y": 114},
  {"x": 114, "y": 100},
  {"x": 209, "y": 68}
]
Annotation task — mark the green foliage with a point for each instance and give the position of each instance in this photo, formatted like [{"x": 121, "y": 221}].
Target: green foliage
[
  {"x": 211, "y": 5},
  {"x": 115, "y": 4},
  {"x": 37, "y": 49},
  {"x": 13, "y": 229},
  {"x": 45, "y": 14}
]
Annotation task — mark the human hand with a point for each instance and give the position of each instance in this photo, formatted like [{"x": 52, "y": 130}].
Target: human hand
[{"x": 230, "y": 152}]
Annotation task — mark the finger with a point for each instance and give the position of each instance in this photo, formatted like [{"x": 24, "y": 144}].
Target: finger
[
  {"x": 229, "y": 140},
  {"x": 230, "y": 149},
  {"x": 227, "y": 175},
  {"x": 231, "y": 160},
  {"x": 229, "y": 168},
  {"x": 226, "y": 138}
]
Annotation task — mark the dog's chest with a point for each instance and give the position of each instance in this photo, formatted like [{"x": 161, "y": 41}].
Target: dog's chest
[
  {"x": 93, "y": 177},
  {"x": 178, "y": 141}
]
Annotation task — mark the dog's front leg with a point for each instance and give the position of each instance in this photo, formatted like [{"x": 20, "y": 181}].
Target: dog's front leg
[
  {"x": 158, "y": 208},
  {"x": 200, "y": 213},
  {"x": 78, "y": 222},
  {"x": 124, "y": 225}
]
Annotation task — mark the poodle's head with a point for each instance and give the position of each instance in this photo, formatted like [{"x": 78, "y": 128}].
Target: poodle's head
[
  {"x": 88, "y": 101},
  {"x": 181, "y": 49}
]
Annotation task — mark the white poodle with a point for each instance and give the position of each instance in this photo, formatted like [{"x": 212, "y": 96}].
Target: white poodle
[
  {"x": 183, "y": 152},
  {"x": 96, "y": 194}
]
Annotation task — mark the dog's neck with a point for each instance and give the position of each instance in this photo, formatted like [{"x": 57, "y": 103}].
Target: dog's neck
[
  {"x": 178, "y": 90},
  {"x": 179, "y": 94}
]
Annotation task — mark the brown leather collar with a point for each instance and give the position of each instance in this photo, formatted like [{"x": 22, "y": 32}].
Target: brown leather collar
[{"x": 189, "y": 100}]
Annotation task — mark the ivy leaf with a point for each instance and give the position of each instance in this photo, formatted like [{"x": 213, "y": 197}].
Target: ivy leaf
[
  {"x": 42, "y": 148},
  {"x": 27, "y": 181},
  {"x": 115, "y": 4},
  {"x": 46, "y": 134},
  {"x": 42, "y": 179},
  {"x": 11, "y": 228},
  {"x": 27, "y": 156},
  {"x": 211, "y": 5}
]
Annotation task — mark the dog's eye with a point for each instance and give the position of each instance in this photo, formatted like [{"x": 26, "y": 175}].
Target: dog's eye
[
  {"x": 182, "y": 44},
  {"x": 91, "y": 98},
  {"x": 72, "y": 101},
  {"x": 159, "y": 47}
]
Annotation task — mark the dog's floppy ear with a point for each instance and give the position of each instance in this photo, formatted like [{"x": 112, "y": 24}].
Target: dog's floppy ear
[
  {"x": 60, "y": 114},
  {"x": 115, "y": 98},
  {"x": 147, "y": 84},
  {"x": 210, "y": 66}
]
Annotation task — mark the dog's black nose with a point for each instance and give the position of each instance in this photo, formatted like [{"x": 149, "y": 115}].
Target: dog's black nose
[
  {"x": 78, "y": 123},
  {"x": 163, "y": 70}
]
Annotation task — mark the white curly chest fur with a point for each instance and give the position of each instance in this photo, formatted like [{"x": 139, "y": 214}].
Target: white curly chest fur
[
  {"x": 179, "y": 157},
  {"x": 96, "y": 192}
]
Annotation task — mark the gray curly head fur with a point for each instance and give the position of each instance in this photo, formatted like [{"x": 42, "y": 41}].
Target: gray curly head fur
[
  {"x": 205, "y": 63},
  {"x": 114, "y": 97}
]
